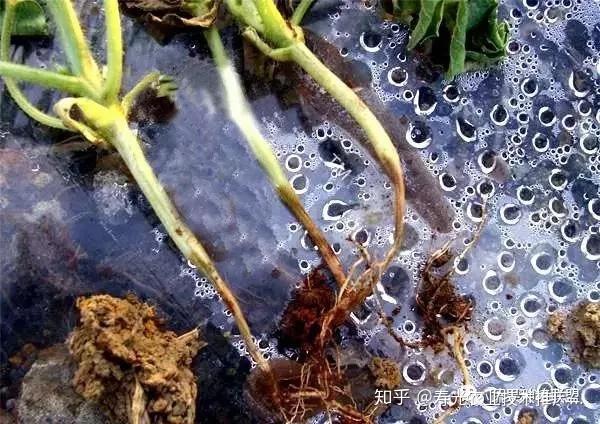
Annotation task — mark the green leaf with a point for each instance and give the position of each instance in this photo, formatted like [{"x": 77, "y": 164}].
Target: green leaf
[
  {"x": 30, "y": 19},
  {"x": 458, "y": 52},
  {"x": 428, "y": 25},
  {"x": 463, "y": 34}
]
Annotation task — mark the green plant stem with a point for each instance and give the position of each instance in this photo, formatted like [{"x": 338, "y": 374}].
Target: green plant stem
[
  {"x": 114, "y": 51},
  {"x": 300, "y": 11},
  {"x": 282, "y": 40},
  {"x": 130, "y": 150},
  {"x": 66, "y": 83},
  {"x": 139, "y": 88},
  {"x": 276, "y": 29},
  {"x": 380, "y": 142},
  {"x": 241, "y": 113},
  {"x": 110, "y": 124},
  {"x": 78, "y": 53},
  {"x": 11, "y": 85}
]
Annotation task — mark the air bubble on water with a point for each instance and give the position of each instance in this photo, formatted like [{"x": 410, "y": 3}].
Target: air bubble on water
[
  {"x": 300, "y": 183},
  {"x": 494, "y": 328},
  {"x": 579, "y": 84},
  {"x": 414, "y": 373},
  {"x": 558, "y": 179},
  {"x": 557, "y": 207},
  {"x": 451, "y": 93},
  {"x": 334, "y": 210},
  {"x": 561, "y": 290},
  {"x": 293, "y": 163},
  {"x": 589, "y": 144},
  {"x": 529, "y": 87},
  {"x": 525, "y": 195},
  {"x": 540, "y": 339}
]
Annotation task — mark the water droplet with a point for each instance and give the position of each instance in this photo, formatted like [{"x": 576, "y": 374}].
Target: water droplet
[
  {"x": 579, "y": 83},
  {"x": 447, "y": 182},
  {"x": 487, "y": 161},
  {"x": 334, "y": 209},
  {"x": 370, "y": 41},
  {"x": 492, "y": 283},
  {"x": 590, "y": 247},
  {"x": 398, "y": 77},
  {"x": 424, "y": 101},
  {"x": 451, "y": 94},
  {"x": 418, "y": 135},
  {"x": 499, "y": 115},
  {"x": 466, "y": 130},
  {"x": 546, "y": 116},
  {"x": 540, "y": 142},
  {"x": 529, "y": 86},
  {"x": 510, "y": 213},
  {"x": 542, "y": 263}
]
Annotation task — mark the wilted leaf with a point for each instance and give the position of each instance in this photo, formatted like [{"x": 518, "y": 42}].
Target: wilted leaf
[
  {"x": 465, "y": 34},
  {"x": 30, "y": 19},
  {"x": 175, "y": 13}
]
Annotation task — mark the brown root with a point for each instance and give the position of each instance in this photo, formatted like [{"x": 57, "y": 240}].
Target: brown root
[
  {"x": 319, "y": 383},
  {"x": 437, "y": 300},
  {"x": 139, "y": 372},
  {"x": 300, "y": 324}
]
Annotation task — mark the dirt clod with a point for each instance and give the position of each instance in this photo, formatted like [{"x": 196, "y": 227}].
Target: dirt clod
[
  {"x": 557, "y": 327},
  {"x": 386, "y": 372},
  {"x": 581, "y": 329},
  {"x": 527, "y": 416},
  {"x": 127, "y": 363}
]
